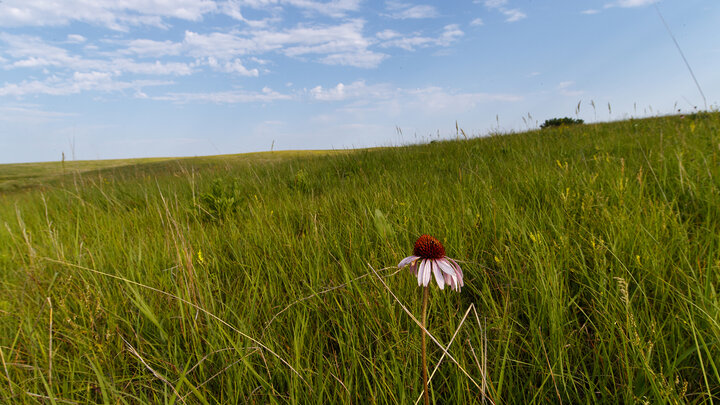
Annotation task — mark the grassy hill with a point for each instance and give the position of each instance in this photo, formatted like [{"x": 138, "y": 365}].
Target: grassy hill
[
  {"x": 21, "y": 176},
  {"x": 591, "y": 258}
]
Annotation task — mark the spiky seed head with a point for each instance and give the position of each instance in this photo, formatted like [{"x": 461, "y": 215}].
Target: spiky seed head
[{"x": 428, "y": 247}]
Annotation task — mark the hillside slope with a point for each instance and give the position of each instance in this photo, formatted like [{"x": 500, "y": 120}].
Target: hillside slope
[{"x": 591, "y": 255}]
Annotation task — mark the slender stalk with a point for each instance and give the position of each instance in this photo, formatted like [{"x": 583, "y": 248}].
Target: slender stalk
[{"x": 426, "y": 394}]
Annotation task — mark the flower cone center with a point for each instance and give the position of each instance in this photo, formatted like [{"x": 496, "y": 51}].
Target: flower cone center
[{"x": 428, "y": 247}]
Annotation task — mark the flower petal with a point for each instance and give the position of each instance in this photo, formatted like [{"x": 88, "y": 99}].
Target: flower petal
[
  {"x": 438, "y": 274},
  {"x": 421, "y": 272},
  {"x": 414, "y": 268},
  {"x": 445, "y": 266},
  {"x": 459, "y": 273},
  {"x": 452, "y": 272},
  {"x": 428, "y": 270},
  {"x": 454, "y": 283},
  {"x": 457, "y": 266},
  {"x": 404, "y": 262}
]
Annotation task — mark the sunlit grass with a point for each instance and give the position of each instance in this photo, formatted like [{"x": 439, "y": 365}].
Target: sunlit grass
[{"x": 591, "y": 253}]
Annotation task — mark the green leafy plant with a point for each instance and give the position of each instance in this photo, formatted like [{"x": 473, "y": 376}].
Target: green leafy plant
[
  {"x": 222, "y": 200},
  {"x": 301, "y": 181}
]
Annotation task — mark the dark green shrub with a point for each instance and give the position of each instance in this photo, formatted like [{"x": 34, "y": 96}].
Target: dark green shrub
[{"x": 557, "y": 122}]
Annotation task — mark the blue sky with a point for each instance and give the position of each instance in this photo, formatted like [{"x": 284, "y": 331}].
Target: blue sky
[{"x": 137, "y": 78}]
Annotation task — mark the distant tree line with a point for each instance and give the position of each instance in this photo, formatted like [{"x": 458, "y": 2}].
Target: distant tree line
[{"x": 558, "y": 122}]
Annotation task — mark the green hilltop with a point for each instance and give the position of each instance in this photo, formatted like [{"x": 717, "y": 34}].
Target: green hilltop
[{"x": 591, "y": 256}]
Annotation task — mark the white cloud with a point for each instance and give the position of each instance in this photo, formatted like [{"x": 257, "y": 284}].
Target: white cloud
[
  {"x": 385, "y": 97},
  {"x": 122, "y": 66},
  {"x": 70, "y": 72},
  {"x": 333, "y": 8},
  {"x": 79, "y": 82},
  {"x": 76, "y": 39},
  {"x": 33, "y": 52},
  {"x": 110, "y": 13},
  {"x": 451, "y": 32},
  {"x": 477, "y": 22},
  {"x": 630, "y": 3},
  {"x": 121, "y": 15},
  {"x": 495, "y": 3},
  {"x": 590, "y": 11},
  {"x": 148, "y": 47},
  {"x": 124, "y": 63},
  {"x": 635, "y": 3},
  {"x": 232, "y": 8},
  {"x": 232, "y": 66},
  {"x": 361, "y": 59},
  {"x": 512, "y": 14},
  {"x": 438, "y": 99},
  {"x": 341, "y": 44},
  {"x": 355, "y": 90},
  {"x": 565, "y": 88},
  {"x": 449, "y": 35},
  {"x": 405, "y": 11},
  {"x": 226, "y": 97},
  {"x": 387, "y": 34},
  {"x": 33, "y": 113},
  {"x": 217, "y": 44}
]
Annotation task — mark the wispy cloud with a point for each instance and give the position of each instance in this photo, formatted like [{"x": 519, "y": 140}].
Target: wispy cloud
[
  {"x": 110, "y": 13},
  {"x": 232, "y": 66},
  {"x": 512, "y": 14},
  {"x": 634, "y": 3},
  {"x": 30, "y": 113},
  {"x": 404, "y": 11},
  {"x": 333, "y": 8},
  {"x": 352, "y": 91},
  {"x": 390, "y": 38},
  {"x": 225, "y": 97},
  {"x": 439, "y": 99},
  {"x": 124, "y": 62},
  {"x": 566, "y": 89},
  {"x": 77, "y": 83},
  {"x": 341, "y": 44},
  {"x": 76, "y": 39},
  {"x": 386, "y": 97},
  {"x": 623, "y": 4},
  {"x": 33, "y": 52},
  {"x": 121, "y": 15}
]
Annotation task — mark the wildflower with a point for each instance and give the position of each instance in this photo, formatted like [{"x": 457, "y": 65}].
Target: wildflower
[{"x": 429, "y": 257}]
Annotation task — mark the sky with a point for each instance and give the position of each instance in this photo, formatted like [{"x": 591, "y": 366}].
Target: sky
[{"x": 107, "y": 79}]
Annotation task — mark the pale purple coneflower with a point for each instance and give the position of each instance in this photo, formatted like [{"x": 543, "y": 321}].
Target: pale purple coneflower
[{"x": 429, "y": 257}]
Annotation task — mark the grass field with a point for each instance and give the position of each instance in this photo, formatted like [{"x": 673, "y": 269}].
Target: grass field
[{"x": 591, "y": 257}]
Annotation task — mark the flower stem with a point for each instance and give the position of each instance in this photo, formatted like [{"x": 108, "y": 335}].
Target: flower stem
[{"x": 426, "y": 394}]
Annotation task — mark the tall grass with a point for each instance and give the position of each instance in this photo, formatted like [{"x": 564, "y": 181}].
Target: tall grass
[{"x": 591, "y": 254}]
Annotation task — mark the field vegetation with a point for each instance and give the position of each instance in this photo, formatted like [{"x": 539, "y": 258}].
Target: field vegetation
[{"x": 591, "y": 256}]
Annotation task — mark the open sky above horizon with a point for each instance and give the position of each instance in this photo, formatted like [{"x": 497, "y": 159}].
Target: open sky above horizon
[{"x": 148, "y": 78}]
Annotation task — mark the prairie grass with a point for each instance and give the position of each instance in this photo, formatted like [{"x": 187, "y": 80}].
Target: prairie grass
[{"x": 591, "y": 256}]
